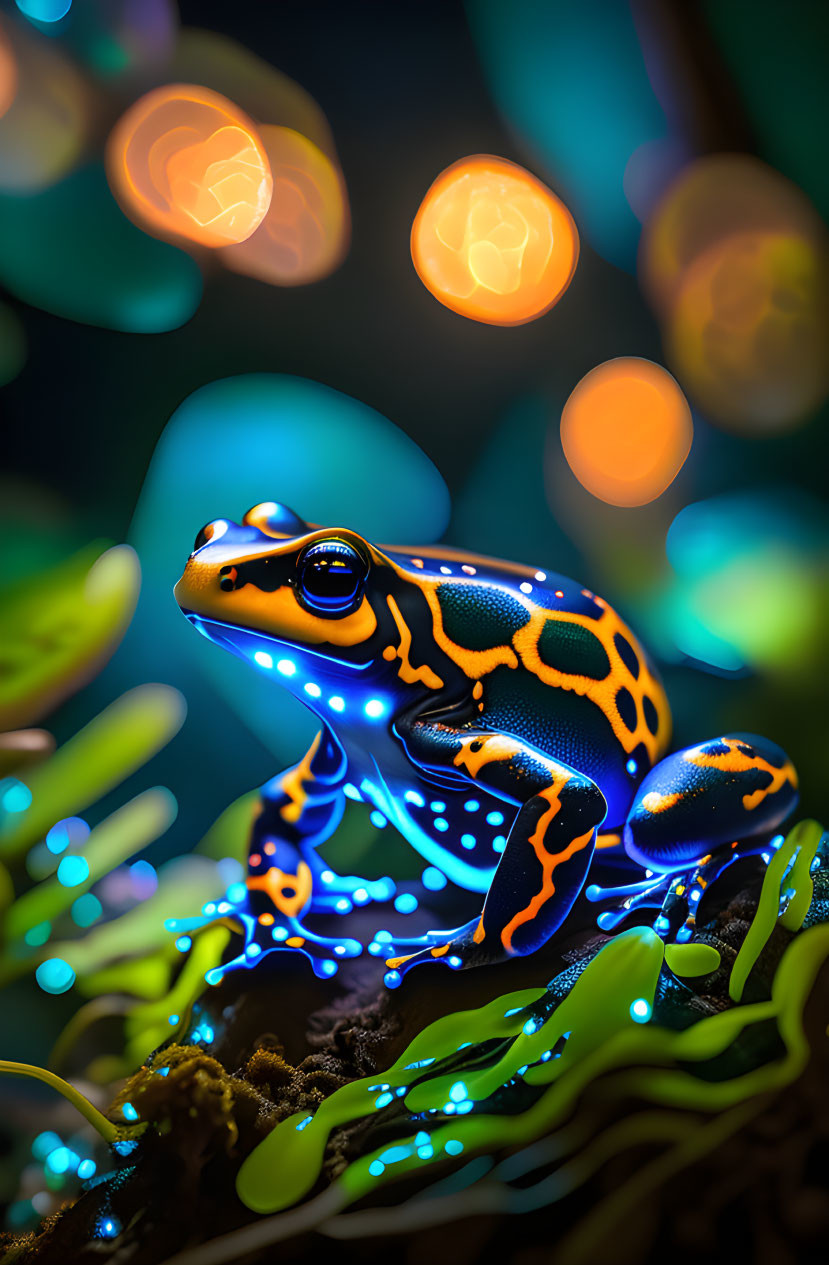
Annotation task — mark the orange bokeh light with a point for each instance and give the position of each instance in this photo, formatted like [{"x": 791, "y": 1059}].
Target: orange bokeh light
[
  {"x": 493, "y": 243},
  {"x": 305, "y": 233},
  {"x": 626, "y": 431},
  {"x": 8, "y": 74},
  {"x": 186, "y": 162}
]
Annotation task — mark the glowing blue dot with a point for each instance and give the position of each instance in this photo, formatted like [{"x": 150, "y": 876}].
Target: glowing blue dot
[
  {"x": 433, "y": 879},
  {"x": 44, "y": 1144},
  {"x": 455, "y": 962},
  {"x": 336, "y": 703},
  {"x": 237, "y": 893},
  {"x": 253, "y": 950},
  {"x": 350, "y": 791},
  {"x": 449, "y": 1108},
  {"x": 280, "y": 933},
  {"x": 640, "y": 1010},
  {"x": 375, "y": 949},
  {"x": 377, "y": 819},
  {"x": 73, "y": 870},
  {"x": 86, "y": 1169},
  {"x": 437, "y": 806},
  {"x": 343, "y": 905},
  {"x": 383, "y": 937},
  {"x": 374, "y": 708},
  {"x": 414, "y": 797},
  {"x": 441, "y": 824},
  {"x": 468, "y": 841},
  {"x": 55, "y": 976},
  {"x": 263, "y": 659},
  {"x": 108, "y": 1227},
  {"x": 405, "y": 903},
  {"x": 303, "y": 1124},
  {"x": 214, "y": 976},
  {"x": 632, "y": 767},
  {"x": 472, "y": 805},
  {"x": 392, "y": 979},
  {"x": 458, "y": 1092},
  {"x": 70, "y": 830},
  {"x": 173, "y": 1020},
  {"x": 328, "y": 968},
  {"x": 59, "y": 1160},
  {"x": 86, "y": 910},
  {"x": 128, "y": 1111},
  {"x": 425, "y": 1152},
  {"x": 499, "y": 843},
  {"x": 361, "y": 896},
  {"x": 38, "y": 935},
  {"x": 495, "y": 819},
  {"x": 464, "y": 1107},
  {"x": 287, "y": 667},
  {"x": 453, "y": 1147},
  {"x": 15, "y": 797},
  {"x": 661, "y": 923},
  {"x": 383, "y": 1100},
  {"x": 328, "y": 876},
  {"x": 313, "y": 689},
  {"x": 183, "y": 943},
  {"x": 376, "y": 1168},
  {"x": 125, "y": 1146},
  {"x": 531, "y": 1026},
  {"x": 44, "y": 10}
]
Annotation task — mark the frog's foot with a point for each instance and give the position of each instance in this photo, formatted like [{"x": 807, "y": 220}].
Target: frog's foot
[
  {"x": 339, "y": 893},
  {"x": 627, "y": 898},
  {"x": 455, "y": 949},
  {"x": 676, "y": 919},
  {"x": 271, "y": 933}
]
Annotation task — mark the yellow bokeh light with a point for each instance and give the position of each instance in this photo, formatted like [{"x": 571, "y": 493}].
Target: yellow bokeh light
[
  {"x": 734, "y": 259},
  {"x": 493, "y": 243},
  {"x": 186, "y": 162},
  {"x": 305, "y": 233},
  {"x": 626, "y": 431}
]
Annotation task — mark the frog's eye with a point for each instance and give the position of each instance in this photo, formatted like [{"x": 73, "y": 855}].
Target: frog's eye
[
  {"x": 331, "y": 576},
  {"x": 211, "y": 531}
]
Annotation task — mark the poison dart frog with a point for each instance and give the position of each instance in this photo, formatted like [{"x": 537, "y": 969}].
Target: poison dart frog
[{"x": 504, "y": 720}]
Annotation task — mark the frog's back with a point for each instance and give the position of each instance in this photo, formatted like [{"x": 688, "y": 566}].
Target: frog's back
[{"x": 553, "y": 663}]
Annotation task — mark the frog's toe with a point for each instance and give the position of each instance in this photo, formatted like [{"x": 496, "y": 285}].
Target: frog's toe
[
  {"x": 455, "y": 949},
  {"x": 288, "y": 935}
]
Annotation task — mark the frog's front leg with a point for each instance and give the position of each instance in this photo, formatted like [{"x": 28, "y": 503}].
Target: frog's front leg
[
  {"x": 547, "y": 853},
  {"x": 299, "y": 810}
]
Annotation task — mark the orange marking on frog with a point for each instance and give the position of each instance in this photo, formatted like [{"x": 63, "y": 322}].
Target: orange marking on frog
[
  {"x": 275, "y": 882},
  {"x": 406, "y": 671},
  {"x": 735, "y": 760},
  {"x": 653, "y": 802},
  {"x": 602, "y": 692},
  {"x": 548, "y": 861},
  {"x": 293, "y": 784},
  {"x": 476, "y": 752},
  {"x": 439, "y": 950}
]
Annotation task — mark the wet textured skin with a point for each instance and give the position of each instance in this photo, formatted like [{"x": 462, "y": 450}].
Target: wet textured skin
[{"x": 497, "y": 716}]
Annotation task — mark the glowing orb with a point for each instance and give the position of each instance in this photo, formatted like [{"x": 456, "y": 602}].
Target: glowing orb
[
  {"x": 305, "y": 233},
  {"x": 493, "y": 243},
  {"x": 626, "y": 431},
  {"x": 8, "y": 74},
  {"x": 184, "y": 161},
  {"x": 735, "y": 260}
]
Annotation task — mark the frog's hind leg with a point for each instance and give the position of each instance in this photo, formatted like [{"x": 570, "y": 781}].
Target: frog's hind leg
[{"x": 701, "y": 809}]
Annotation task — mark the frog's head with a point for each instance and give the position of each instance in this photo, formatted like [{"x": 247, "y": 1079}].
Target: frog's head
[{"x": 295, "y": 599}]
